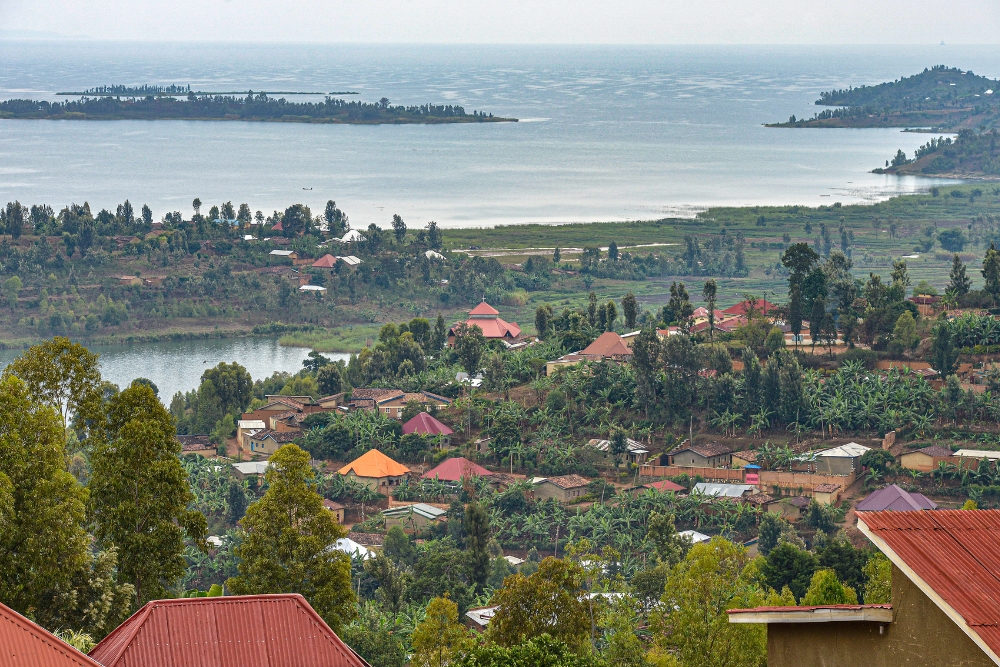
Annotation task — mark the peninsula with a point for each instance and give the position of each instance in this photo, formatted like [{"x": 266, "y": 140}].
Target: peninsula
[
  {"x": 252, "y": 107},
  {"x": 940, "y": 98}
]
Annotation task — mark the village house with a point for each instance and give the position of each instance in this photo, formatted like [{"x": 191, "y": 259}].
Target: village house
[
  {"x": 415, "y": 517},
  {"x": 376, "y": 471},
  {"x": 665, "y": 486},
  {"x": 479, "y": 618},
  {"x": 335, "y": 508},
  {"x": 945, "y": 607},
  {"x": 284, "y": 254},
  {"x": 196, "y": 444},
  {"x": 426, "y": 425},
  {"x": 719, "y": 490},
  {"x": 280, "y": 630},
  {"x": 277, "y": 405},
  {"x": 926, "y": 459},
  {"x": 635, "y": 451},
  {"x": 250, "y": 469},
  {"x": 22, "y": 642},
  {"x": 609, "y": 346},
  {"x": 246, "y": 427},
  {"x": 392, "y": 402},
  {"x": 843, "y": 460},
  {"x": 267, "y": 442},
  {"x": 455, "y": 470},
  {"x": 565, "y": 489},
  {"x": 702, "y": 455},
  {"x": 896, "y": 499},
  {"x": 827, "y": 494},
  {"x": 487, "y": 318}
]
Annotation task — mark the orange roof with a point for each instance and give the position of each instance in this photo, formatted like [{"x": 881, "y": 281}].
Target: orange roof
[
  {"x": 327, "y": 261},
  {"x": 484, "y": 309},
  {"x": 608, "y": 344},
  {"x": 24, "y": 643},
  {"x": 374, "y": 463}
]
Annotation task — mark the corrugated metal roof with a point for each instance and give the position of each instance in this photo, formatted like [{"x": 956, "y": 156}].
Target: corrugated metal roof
[
  {"x": 24, "y": 644},
  {"x": 231, "y": 631},
  {"x": 954, "y": 554},
  {"x": 374, "y": 463}
]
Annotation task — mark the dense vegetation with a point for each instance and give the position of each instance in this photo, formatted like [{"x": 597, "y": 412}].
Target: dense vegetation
[
  {"x": 59, "y": 269},
  {"x": 945, "y": 98},
  {"x": 253, "y": 107},
  {"x": 969, "y": 154}
]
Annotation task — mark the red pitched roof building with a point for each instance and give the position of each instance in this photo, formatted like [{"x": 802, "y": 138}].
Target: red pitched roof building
[
  {"x": 229, "y": 631},
  {"x": 327, "y": 261},
  {"x": 487, "y": 318},
  {"x": 24, "y": 643},
  {"x": 743, "y": 307},
  {"x": 425, "y": 424},
  {"x": 945, "y": 608},
  {"x": 453, "y": 470}
]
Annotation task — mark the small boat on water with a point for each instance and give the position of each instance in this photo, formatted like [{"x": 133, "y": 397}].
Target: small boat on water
[{"x": 307, "y": 188}]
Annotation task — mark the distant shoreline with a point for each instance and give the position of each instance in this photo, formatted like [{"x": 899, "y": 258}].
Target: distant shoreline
[{"x": 313, "y": 121}]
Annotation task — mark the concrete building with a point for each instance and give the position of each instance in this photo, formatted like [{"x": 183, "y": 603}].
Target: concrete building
[
  {"x": 376, "y": 470},
  {"x": 841, "y": 460},
  {"x": 413, "y": 517},
  {"x": 565, "y": 489},
  {"x": 702, "y": 455},
  {"x": 926, "y": 459},
  {"x": 945, "y": 608}
]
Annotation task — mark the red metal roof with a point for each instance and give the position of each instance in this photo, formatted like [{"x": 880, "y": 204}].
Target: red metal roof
[
  {"x": 455, "y": 469},
  {"x": 951, "y": 555},
  {"x": 484, "y": 309},
  {"x": 425, "y": 424},
  {"x": 743, "y": 307},
  {"x": 230, "y": 631},
  {"x": 327, "y": 261},
  {"x": 24, "y": 644},
  {"x": 665, "y": 485}
]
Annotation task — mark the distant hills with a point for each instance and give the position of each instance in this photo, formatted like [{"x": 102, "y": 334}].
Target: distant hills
[{"x": 940, "y": 98}]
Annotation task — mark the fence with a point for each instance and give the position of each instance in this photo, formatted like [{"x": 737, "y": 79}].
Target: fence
[{"x": 768, "y": 478}]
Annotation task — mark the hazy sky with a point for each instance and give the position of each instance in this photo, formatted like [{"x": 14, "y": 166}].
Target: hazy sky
[{"x": 516, "y": 21}]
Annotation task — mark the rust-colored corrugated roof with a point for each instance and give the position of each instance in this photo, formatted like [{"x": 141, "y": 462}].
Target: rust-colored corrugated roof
[
  {"x": 952, "y": 556},
  {"x": 453, "y": 470},
  {"x": 25, "y": 644},
  {"x": 608, "y": 344},
  {"x": 484, "y": 309},
  {"x": 425, "y": 424},
  {"x": 374, "y": 463},
  {"x": 231, "y": 631}
]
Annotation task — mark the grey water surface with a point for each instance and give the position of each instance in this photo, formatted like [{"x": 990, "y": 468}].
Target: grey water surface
[{"x": 606, "y": 133}]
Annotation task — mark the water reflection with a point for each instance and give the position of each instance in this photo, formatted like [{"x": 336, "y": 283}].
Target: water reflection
[{"x": 177, "y": 365}]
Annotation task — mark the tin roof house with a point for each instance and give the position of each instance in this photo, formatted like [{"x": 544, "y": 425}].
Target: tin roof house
[
  {"x": 945, "y": 608},
  {"x": 226, "y": 631}
]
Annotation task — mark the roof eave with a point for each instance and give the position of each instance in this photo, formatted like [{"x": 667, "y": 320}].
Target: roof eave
[
  {"x": 865, "y": 615},
  {"x": 950, "y": 611}
]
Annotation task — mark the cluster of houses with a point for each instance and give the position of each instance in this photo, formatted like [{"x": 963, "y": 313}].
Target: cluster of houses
[{"x": 280, "y": 420}]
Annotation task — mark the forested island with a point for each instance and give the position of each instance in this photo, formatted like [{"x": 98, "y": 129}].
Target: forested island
[
  {"x": 253, "y": 107},
  {"x": 942, "y": 98},
  {"x": 969, "y": 155}
]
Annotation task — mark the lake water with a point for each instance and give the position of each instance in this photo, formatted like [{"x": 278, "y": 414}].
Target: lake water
[
  {"x": 177, "y": 365},
  {"x": 607, "y": 133}
]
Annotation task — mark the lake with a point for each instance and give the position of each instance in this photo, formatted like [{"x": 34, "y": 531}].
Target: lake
[
  {"x": 177, "y": 365},
  {"x": 607, "y": 133}
]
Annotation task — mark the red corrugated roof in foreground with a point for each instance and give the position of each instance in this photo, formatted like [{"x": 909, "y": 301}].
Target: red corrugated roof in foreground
[
  {"x": 230, "y": 631},
  {"x": 25, "y": 644},
  {"x": 955, "y": 553}
]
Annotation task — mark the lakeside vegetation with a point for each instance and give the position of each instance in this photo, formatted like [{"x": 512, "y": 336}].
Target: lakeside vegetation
[
  {"x": 942, "y": 98},
  {"x": 969, "y": 155},
  {"x": 252, "y": 107},
  {"x": 194, "y": 275}
]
